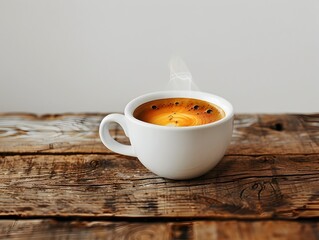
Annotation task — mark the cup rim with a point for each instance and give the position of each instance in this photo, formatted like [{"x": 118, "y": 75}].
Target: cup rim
[{"x": 222, "y": 103}]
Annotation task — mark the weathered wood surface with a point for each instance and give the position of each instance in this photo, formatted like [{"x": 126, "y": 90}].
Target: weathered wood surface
[
  {"x": 55, "y": 167},
  {"x": 249, "y": 187},
  {"x": 77, "y": 133},
  {"x": 201, "y": 230}
]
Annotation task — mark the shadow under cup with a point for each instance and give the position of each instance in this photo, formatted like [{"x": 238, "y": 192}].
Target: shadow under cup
[{"x": 173, "y": 152}]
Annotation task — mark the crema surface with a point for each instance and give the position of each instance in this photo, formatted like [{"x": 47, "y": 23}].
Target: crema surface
[{"x": 178, "y": 112}]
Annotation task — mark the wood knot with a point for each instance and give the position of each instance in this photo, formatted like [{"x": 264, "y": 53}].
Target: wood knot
[
  {"x": 94, "y": 164},
  {"x": 262, "y": 194},
  {"x": 277, "y": 127},
  {"x": 101, "y": 163},
  {"x": 182, "y": 231}
]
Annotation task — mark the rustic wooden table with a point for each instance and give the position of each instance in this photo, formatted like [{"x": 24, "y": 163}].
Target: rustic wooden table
[{"x": 57, "y": 181}]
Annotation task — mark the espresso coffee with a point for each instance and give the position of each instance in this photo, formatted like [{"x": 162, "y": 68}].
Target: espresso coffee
[{"x": 178, "y": 112}]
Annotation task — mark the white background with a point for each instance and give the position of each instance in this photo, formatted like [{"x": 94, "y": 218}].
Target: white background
[{"x": 87, "y": 56}]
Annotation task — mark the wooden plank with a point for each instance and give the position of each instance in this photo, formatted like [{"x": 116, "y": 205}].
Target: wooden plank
[
  {"x": 28, "y": 133},
  {"x": 275, "y": 134},
  {"x": 78, "y": 133},
  {"x": 213, "y": 230},
  {"x": 240, "y": 187}
]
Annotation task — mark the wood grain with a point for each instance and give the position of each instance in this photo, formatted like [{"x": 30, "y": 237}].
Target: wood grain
[
  {"x": 58, "y": 181},
  {"x": 78, "y": 133},
  {"x": 28, "y": 133},
  {"x": 275, "y": 134},
  {"x": 240, "y": 187},
  {"x": 213, "y": 230}
]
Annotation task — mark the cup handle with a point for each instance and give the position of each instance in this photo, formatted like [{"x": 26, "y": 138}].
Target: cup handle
[{"x": 108, "y": 141}]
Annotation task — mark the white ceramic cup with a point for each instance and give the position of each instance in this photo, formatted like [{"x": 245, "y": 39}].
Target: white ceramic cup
[{"x": 172, "y": 152}]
